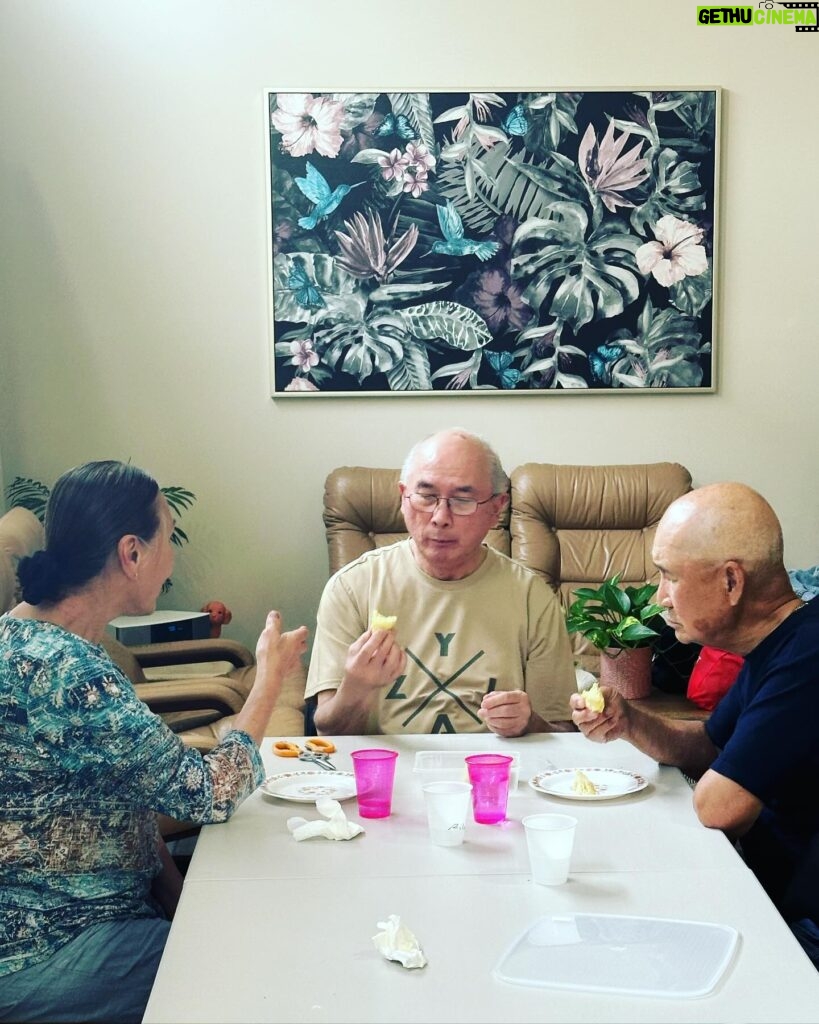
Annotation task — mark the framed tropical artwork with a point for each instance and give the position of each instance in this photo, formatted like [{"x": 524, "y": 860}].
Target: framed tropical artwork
[{"x": 443, "y": 243}]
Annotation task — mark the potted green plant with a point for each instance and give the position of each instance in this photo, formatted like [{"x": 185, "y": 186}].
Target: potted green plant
[
  {"x": 23, "y": 492},
  {"x": 623, "y": 623}
]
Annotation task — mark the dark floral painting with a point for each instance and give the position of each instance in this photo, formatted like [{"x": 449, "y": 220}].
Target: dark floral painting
[{"x": 432, "y": 243}]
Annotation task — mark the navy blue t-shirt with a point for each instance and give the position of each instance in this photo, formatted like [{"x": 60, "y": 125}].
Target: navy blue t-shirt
[{"x": 766, "y": 728}]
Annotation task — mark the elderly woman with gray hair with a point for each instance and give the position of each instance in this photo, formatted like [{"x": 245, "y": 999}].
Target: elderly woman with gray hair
[{"x": 87, "y": 886}]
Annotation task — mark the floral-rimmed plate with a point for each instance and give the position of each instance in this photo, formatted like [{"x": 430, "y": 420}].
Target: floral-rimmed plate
[
  {"x": 609, "y": 783},
  {"x": 307, "y": 786}
]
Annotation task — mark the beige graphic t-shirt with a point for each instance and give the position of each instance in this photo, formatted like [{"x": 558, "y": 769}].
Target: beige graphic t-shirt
[{"x": 501, "y": 628}]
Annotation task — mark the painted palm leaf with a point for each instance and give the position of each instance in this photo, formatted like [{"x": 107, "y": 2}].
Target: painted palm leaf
[
  {"x": 338, "y": 289},
  {"x": 509, "y": 185},
  {"x": 416, "y": 107}
]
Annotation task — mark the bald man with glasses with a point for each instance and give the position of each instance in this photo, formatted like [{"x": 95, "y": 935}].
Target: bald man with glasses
[{"x": 480, "y": 642}]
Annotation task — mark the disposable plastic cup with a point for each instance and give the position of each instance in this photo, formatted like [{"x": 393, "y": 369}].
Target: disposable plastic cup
[
  {"x": 447, "y": 805},
  {"x": 374, "y": 777},
  {"x": 489, "y": 775},
  {"x": 549, "y": 838}
]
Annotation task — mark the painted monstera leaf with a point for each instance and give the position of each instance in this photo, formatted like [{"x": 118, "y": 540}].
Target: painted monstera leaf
[
  {"x": 677, "y": 190},
  {"x": 570, "y": 277},
  {"x": 360, "y": 348}
]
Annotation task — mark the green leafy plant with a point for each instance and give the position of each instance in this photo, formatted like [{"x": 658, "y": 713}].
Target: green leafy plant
[
  {"x": 614, "y": 616},
  {"x": 23, "y": 492},
  {"x": 30, "y": 494}
]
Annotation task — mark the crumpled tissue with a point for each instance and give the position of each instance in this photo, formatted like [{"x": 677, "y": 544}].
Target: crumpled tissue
[
  {"x": 396, "y": 942},
  {"x": 336, "y": 827}
]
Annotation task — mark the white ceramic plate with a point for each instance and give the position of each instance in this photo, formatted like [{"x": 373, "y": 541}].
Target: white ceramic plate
[
  {"x": 610, "y": 783},
  {"x": 306, "y": 787}
]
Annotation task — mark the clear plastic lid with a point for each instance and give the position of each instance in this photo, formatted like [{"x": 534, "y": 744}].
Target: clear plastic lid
[{"x": 643, "y": 956}]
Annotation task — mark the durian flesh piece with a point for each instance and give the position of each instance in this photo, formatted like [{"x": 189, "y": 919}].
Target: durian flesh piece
[
  {"x": 594, "y": 698},
  {"x": 379, "y": 621},
  {"x": 583, "y": 784}
]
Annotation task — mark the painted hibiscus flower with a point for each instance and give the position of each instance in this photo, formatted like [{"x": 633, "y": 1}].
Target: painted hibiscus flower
[
  {"x": 308, "y": 123},
  {"x": 675, "y": 254},
  {"x": 500, "y": 302}
]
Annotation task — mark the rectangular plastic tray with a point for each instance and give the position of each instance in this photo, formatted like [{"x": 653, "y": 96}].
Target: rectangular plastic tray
[{"x": 643, "y": 956}]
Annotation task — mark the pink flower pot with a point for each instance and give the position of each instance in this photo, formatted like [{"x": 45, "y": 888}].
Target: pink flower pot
[{"x": 628, "y": 671}]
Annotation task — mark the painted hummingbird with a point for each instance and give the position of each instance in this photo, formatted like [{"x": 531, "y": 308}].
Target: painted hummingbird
[
  {"x": 454, "y": 243},
  {"x": 317, "y": 189}
]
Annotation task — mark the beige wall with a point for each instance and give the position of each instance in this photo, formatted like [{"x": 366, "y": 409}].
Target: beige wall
[{"x": 134, "y": 284}]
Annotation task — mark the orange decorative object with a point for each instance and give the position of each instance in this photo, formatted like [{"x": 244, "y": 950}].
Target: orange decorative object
[{"x": 220, "y": 615}]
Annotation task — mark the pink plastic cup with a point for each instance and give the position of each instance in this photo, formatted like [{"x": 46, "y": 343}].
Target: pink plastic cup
[
  {"x": 489, "y": 775},
  {"x": 374, "y": 776}
]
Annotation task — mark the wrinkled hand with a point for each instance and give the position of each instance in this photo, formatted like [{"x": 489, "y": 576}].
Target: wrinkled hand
[
  {"x": 600, "y": 726},
  {"x": 374, "y": 660},
  {"x": 279, "y": 652},
  {"x": 506, "y": 712}
]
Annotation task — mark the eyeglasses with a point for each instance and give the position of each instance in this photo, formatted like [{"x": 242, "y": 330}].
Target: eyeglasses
[{"x": 457, "y": 506}]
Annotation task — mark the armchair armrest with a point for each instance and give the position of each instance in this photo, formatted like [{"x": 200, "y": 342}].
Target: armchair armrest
[
  {"x": 207, "y": 694},
  {"x": 185, "y": 652}
]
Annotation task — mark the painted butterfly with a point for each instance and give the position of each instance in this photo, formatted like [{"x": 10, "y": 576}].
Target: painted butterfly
[
  {"x": 601, "y": 359},
  {"x": 306, "y": 293},
  {"x": 396, "y": 124},
  {"x": 500, "y": 363},
  {"x": 515, "y": 121}
]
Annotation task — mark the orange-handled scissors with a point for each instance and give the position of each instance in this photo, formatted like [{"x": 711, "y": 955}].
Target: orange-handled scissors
[{"x": 316, "y": 749}]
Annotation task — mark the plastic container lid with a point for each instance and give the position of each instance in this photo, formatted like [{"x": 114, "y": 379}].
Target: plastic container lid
[
  {"x": 642, "y": 956},
  {"x": 450, "y": 765}
]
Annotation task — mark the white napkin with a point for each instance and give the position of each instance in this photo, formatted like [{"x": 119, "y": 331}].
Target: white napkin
[
  {"x": 396, "y": 942},
  {"x": 336, "y": 827}
]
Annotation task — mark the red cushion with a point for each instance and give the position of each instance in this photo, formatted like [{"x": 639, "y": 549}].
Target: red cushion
[{"x": 712, "y": 676}]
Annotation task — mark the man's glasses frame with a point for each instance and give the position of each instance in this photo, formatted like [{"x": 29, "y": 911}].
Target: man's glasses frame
[{"x": 457, "y": 506}]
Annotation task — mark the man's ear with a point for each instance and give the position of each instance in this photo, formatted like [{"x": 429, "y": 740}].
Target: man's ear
[{"x": 734, "y": 580}]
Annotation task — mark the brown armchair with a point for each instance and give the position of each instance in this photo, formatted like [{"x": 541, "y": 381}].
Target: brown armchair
[{"x": 579, "y": 525}]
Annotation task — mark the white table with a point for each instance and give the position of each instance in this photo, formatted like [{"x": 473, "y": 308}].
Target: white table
[{"x": 273, "y": 930}]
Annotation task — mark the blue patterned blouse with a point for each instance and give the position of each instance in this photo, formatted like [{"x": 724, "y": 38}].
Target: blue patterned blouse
[{"x": 84, "y": 766}]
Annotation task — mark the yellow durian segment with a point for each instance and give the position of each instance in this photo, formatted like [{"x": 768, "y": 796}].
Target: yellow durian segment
[
  {"x": 594, "y": 698},
  {"x": 583, "y": 784},
  {"x": 380, "y": 621}
]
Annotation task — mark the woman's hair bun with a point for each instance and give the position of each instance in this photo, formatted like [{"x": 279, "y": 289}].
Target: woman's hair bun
[{"x": 39, "y": 577}]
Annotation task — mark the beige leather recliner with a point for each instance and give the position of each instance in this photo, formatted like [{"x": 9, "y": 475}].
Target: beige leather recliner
[
  {"x": 362, "y": 512},
  {"x": 579, "y": 525}
]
